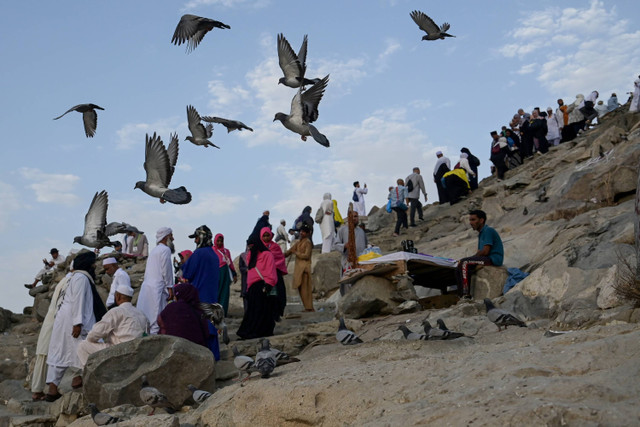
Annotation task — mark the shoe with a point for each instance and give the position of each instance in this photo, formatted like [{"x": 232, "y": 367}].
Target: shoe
[
  {"x": 52, "y": 397},
  {"x": 29, "y": 286}
]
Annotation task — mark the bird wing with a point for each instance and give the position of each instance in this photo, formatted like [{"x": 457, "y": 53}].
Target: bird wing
[
  {"x": 156, "y": 162},
  {"x": 197, "y": 129},
  {"x": 445, "y": 27},
  {"x": 289, "y": 62},
  {"x": 310, "y": 99},
  {"x": 425, "y": 23},
  {"x": 302, "y": 56},
  {"x": 96, "y": 217},
  {"x": 172, "y": 152},
  {"x": 90, "y": 119},
  {"x": 186, "y": 28},
  {"x": 195, "y": 40},
  {"x": 115, "y": 228},
  {"x": 69, "y": 110}
]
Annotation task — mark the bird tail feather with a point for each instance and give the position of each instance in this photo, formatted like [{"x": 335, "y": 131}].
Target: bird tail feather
[
  {"x": 320, "y": 138},
  {"x": 177, "y": 196}
]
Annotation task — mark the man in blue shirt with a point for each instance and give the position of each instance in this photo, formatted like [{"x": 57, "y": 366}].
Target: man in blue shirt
[{"x": 490, "y": 252}]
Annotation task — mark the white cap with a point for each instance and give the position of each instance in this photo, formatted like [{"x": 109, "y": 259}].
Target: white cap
[
  {"x": 110, "y": 260},
  {"x": 438, "y": 153},
  {"x": 125, "y": 290},
  {"x": 162, "y": 233}
]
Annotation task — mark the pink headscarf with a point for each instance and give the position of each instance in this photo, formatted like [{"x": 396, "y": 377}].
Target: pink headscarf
[
  {"x": 223, "y": 253},
  {"x": 274, "y": 248}
]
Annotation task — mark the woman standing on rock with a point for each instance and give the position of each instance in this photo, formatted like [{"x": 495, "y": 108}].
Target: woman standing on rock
[
  {"x": 227, "y": 271},
  {"x": 258, "y": 320},
  {"x": 398, "y": 196},
  {"x": 302, "y": 249},
  {"x": 281, "y": 269}
]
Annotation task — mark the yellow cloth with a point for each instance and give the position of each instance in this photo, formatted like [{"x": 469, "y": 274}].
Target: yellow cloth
[
  {"x": 336, "y": 213},
  {"x": 460, "y": 173},
  {"x": 368, "y": 256}
]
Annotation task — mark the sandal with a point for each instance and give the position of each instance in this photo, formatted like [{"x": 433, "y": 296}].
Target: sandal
[{"x": 52, "y": 397}]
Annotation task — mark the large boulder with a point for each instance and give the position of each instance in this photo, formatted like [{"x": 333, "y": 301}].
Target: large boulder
[
  {"x": 488, "y": 281},
  {"x": 112, "y": 376},
  {"x": 41, "y": 306},
  {"x": 5, "y": 319},
  {"x": 369, "y": 296},
  {"x": 325, "y": 272}
]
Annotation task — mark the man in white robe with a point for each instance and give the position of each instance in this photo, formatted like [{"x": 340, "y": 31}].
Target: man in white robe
[
  {"x": 119, "y": 277},
  {"x": 282, "y": 236},
  {"x": 56, "y": 259},
  {"x": 635, "y": 101},
  {"x": 554, "y": 124},
  {"x": 157, "y": 286},
  {"x": 121, "y": 324},
  {"x": 358, "y": 193},
  {"x": 74, "y": 319},
  {"x": 327, "y": 226}
]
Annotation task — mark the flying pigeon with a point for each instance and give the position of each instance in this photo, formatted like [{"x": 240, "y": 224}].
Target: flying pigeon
[
  {"x": 304, "y": 111},
  {"x": 427, "y": 25},
  {"x": 345, "y": 336},
  {"x": 89, "y": 117},
  {"x": 501, "y": 317},
  {"x": 439, "y": 333},
  {"x": 100, "y": 418},
  {"x": 215, "y": 313},
  {"x": 159, "y": 164},
  {"x": 412, "y": 336},
  {"x": 231, "y": 125},
  {"x": 293, "y": 66},
  {"x": 191, "y": 30},
  {"x": 199, "y": 133},
  {"x": 281, "y": 357},
  {"x": 153, "y": 397},
  {"x": 199, "y": 396},
  {"x": 244, "y": 364},
  {"x": 265, "y": 360},
  {"x": 95, "y": 234}
]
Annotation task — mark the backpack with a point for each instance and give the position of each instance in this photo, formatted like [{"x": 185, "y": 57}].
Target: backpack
[
  {"x": 495, "y": 148},
  {"x": 355, "y": 196},
  {"x": 409, "y": 185},
  {"x": 319, "y": 215}
]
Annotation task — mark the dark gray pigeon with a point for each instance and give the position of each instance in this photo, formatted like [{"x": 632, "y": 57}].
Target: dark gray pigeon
[
  {"x": 265, "y": 360},
  {"x": 100, "y": 418},
  {"x": 304, "y": 111},
  {"x": 191, "y": 30},
  {"x": 159, "y": 164},
  {"x": 153, "y": 397},
  {"x": 94, "y": 234},
  {"x": 346, "y": 336},
  {"x": 427, "y": 25},
  {"x": 199, "y": 396},
  {"x": 244, "y": 364},
  {"x": 199, "y": 133},
  {"x": 439, "y": 333},
  {"x": 293, "y": 66},
  {"x": 410, "y": 335},
  {"x": 89, "y": 117},
  {"x": 501, "y": 317},
  {"x": 231, "y": 125}
]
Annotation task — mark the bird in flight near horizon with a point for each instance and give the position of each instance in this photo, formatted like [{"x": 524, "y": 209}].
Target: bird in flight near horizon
[
  {"x": 192, "y": 28},
  {"x": 89, "y": 117},
  {"x": 427, "y": 25},
  {"x": 293, "y": 66}
]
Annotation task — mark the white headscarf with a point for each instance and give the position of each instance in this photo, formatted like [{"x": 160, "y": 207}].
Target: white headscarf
[
  {"x": 327, "y": 196},
  {"x": 162, "y": 233}
]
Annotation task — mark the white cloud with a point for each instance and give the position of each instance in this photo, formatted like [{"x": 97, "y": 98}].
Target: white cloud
[
  {"x": 184, "y": 167},
  {"x": 228, "y": 3},
  {"x": 51, "y": 188},
  {"x": 391, "y": 46},
  {"x": 227, "y": 99},
  {"x": 133, "y": 134},
  {"x": 10, "y": 204},
  {"x": 527, "y": 69}
]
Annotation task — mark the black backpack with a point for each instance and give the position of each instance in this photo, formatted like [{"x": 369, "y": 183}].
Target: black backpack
[{"x": 409, "y": 185}]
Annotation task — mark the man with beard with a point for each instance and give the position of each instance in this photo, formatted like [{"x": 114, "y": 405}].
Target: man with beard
[
  {"x": 79, "y": 307},
  {"x": 157, "y": 286}
]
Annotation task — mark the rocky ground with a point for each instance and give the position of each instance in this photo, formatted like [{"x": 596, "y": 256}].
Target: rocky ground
[{"x": 571, "y": 244}]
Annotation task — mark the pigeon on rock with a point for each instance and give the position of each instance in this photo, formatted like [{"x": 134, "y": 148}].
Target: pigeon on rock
[
  {"x": 439, "y": 333},
  {"x": 199, "y": 133},
  {"x": 231, "y": 125},
  {"x": 281, "y": 357},
  {"x": 244, "y": 364},
  {"x": 412, "y": 336},
  {"x": 159, "y": 164},
  {"x": 427, "y": 25},
  {"x": 191, "y": 30},
  {"x": 153, "y": 397},
  {"x": 293, "y": 66},
  {"x": 199, "y": 396},
  {"x": 501, "y": 317},
  {"x": 265, "y": 360},
  {"x": 304, "y": 111},
  {"x": 346, "y": 336},
  {"x": 95, "y": 234},
  {"x": 100, "y": 418},
  {"x": 89, "y": 117}
]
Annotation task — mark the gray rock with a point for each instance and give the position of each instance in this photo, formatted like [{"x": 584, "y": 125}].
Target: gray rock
[
  {"x": 71, "y": 403},
  {"x": 33, "y": 421},
  {"x": 112, "y": 376},
  {"x": 369, "y": 296},
  {"x": 39, "y": 290},
  {"x": 407, "y": 307},
  {"x": 488, "y": 282},
  {"x": 5, "y": 319},
  {"x": 380, "y": 219},
  {"x": 325, "y": 272},
  {"x": 41, "y": 306},
  {"x": 13, "y": 389}
]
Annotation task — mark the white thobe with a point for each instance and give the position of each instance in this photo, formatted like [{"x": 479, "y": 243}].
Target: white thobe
[
  {"x": 46, "y": 268},
  {"x": 121, "y": 324},
  {"x": 464, "y": 164},
  {"x": 75, "y": 307},
  {"x": 553, "y": 130},
  {"x": 120, "y": 277},
  {"x": 283, "y": 239},
  {"x": 635, "y": 101},
  {"x": 359, "y": 205},
  {"x": 327, "y": 226},
  {"x": 158, "y": 277}
]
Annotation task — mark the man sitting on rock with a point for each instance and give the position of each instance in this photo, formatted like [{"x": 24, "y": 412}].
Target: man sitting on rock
[
  {"x": 119, "y": 277},
  {"x": 121, "y": 324},
  {"x": 56, "y": 259},
  {"x": 490, "y": 252}
]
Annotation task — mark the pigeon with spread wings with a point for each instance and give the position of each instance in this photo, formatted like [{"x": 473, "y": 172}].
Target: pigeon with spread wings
[
  {"x": 231, "y": 125},
  {"x": 192, "y": 28},
  {"x": 95, "y": 234},
  {"x": 200, "y": 133},
  {"x": 427, "y": 25},
  {"x": 293, "y": 66},
  {"x": 89, "y": 117}
]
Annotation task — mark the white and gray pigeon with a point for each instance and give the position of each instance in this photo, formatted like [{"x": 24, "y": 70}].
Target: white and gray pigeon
[
  {"x": 346, "y": 336},
  {"x": 265, "y": 360},
  {"x": 410, "y": 335},
  {"x": 89, "y": 117},
  {"x": 293, "y": 66},
  {"x": 199, "y": 396},
  {"x": 231, "y": 125},
  {"x": 159, "y": 164},
  {"x": 427, "y": 25},
  {"x": 439, "y": 333},
  {"x": 100, "y": 418},
  {"x": 95, "y": 234},
  {"x": 155, "y": 398},
  {"x": 282, "y": 358},
  {"x": 501, "y": 317},
  {"x": 304, "y": 111},
  {"x": 192, "y": 28},
  {"x": 214, "y": 312},
  {"x": 244, "y": 364},
  {"x": 200, "y": 134}
]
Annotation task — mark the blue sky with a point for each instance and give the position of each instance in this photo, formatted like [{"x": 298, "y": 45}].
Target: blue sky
[{"x": 391, "y": 103}]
